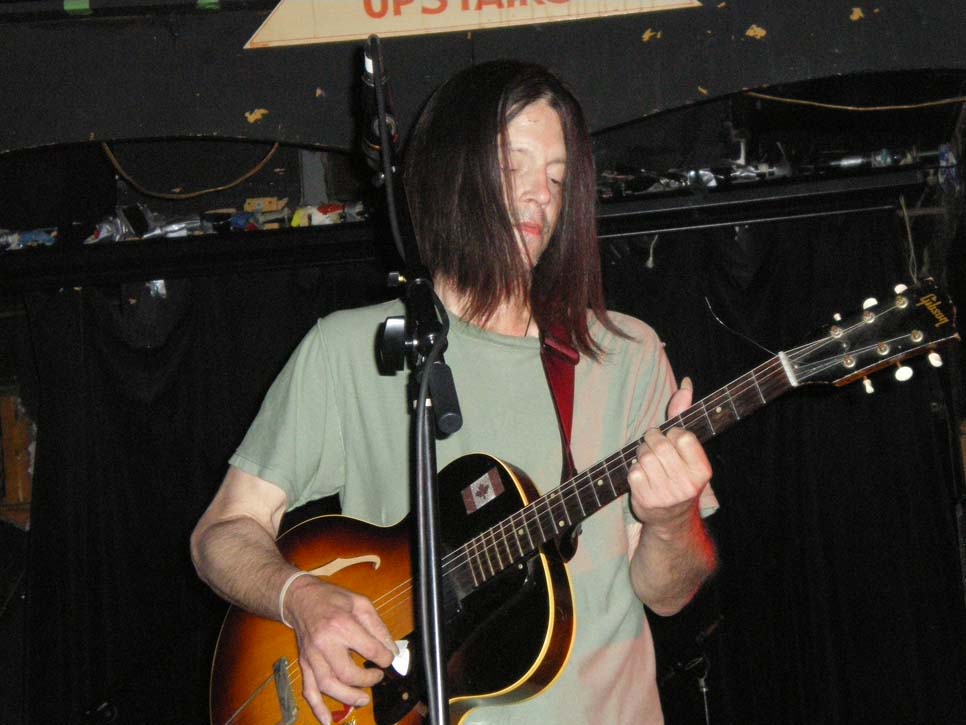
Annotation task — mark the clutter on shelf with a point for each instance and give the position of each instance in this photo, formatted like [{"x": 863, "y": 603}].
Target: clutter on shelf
[
  {"x": 623, "y": 182},
  {"x": 138, "y": 221},
  {"x": 11, "y": 240}
]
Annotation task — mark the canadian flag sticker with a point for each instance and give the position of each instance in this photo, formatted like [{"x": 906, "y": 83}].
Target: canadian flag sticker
[{"x": 483, "y": 490}]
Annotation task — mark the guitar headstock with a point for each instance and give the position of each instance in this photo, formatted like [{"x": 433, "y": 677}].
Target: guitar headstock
[{"x": 911, "y": 321}]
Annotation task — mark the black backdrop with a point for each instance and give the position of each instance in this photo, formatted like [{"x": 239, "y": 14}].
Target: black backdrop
[{"x": 840, "y": 595}]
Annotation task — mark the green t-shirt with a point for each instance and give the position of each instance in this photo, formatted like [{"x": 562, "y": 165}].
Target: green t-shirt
[{"x": 331, "y": 424}]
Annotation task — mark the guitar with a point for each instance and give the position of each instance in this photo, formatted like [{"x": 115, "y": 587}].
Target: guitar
[{"x": 507, "y": 599}]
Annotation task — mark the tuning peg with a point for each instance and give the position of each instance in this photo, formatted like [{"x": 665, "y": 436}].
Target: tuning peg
[
  {"x": 903, "y": 373},
  {"x": 900, "y": 288},
  {"x": 837, "y": 317},
  {"x": 868, "y": 386},
  {"x": 935, "y": 359},
  {"x": 870, "y": 302}
]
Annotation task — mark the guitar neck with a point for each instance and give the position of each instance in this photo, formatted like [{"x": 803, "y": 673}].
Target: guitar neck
[{"x": 552, "y": 514}]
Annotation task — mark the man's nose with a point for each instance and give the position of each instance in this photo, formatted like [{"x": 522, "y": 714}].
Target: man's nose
[{"x": 537, "y": 187}]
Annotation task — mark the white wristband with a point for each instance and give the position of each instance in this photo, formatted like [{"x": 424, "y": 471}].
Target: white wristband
[{"x": 284, "y": 590}]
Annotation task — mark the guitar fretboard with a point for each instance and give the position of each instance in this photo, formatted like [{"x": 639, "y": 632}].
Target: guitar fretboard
[{"x": 547, "y": 517}]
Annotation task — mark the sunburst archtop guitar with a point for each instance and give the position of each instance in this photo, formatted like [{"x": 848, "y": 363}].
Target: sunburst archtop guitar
[{"x": 507, "y": 598}]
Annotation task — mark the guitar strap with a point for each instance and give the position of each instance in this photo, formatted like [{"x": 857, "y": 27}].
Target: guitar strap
[{"x": 559, "y": 361}]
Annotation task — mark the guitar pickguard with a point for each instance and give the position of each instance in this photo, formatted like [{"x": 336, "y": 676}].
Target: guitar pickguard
[{"x": 498, "y": 631}]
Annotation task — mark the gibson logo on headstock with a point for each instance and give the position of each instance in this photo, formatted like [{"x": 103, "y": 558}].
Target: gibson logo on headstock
[{"x": 931, "y": 303}]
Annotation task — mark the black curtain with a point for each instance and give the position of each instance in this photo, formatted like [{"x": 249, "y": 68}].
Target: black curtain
[
  {"x": 141, "y": 398},
  {"x": 840, "y": 596}
]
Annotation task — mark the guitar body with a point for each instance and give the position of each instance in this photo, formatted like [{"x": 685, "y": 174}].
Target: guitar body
[{"x": 506, "y": 640}]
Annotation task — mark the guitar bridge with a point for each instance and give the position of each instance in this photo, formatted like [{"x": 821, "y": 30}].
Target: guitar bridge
[{"x": 283, "y": 691}]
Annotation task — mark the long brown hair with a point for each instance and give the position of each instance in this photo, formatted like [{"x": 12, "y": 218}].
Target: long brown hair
[{"x": 455, "y": 187}]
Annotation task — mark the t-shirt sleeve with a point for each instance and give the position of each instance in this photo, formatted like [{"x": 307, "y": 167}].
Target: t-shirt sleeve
[{"x": 298, "y": 428}]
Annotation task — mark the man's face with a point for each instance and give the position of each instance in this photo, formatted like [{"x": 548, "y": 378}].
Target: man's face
[{"x": 536, "y": 165}]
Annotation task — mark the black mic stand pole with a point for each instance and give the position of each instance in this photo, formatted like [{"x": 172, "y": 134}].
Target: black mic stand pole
[{"x": 422, "y": 338}]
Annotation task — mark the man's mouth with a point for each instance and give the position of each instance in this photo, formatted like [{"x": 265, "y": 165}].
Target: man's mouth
[{"x": 531, "y": 229}]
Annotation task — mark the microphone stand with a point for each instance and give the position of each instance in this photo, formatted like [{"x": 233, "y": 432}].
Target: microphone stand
[{"x": 420, "y": 336}]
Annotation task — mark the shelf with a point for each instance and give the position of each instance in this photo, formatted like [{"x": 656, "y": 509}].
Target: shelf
[
  {"x": 249, "y": 252},
  {"x": 193, "y": 256},
  {"x": 755, "y": 203}
]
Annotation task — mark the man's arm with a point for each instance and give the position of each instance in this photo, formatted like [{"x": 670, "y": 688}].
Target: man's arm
[
  {"x": 671, "y": 552},
  {"x": 234, "y": 551}
]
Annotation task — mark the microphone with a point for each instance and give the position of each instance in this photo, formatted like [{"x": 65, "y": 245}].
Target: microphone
[{"x": 371, "y": 138}]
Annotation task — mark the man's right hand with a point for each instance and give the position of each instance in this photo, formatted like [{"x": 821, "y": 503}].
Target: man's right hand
[
  {"x": 331, "y": 623},
  {"x": 234, "y": 550}
]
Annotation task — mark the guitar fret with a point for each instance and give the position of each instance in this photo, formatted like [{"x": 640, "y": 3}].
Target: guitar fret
[
  {"x": 501, "y": 545},
  {"x": 486, "y": 552},
  {"x": 458, "y": 577},
  {"x": 754, "y": 379},
  {"x": 610, "y": 481},
  {"x": 732, "y": 402},
  {"x": 505, "y": 544},
  {"x": 495, "y": 547},
  {"x": 539, "y": 511},
  {"x": 628, "y": 460},
  {"x": 721, "y": 413},
  {"x": 530, "y": 535},
  {"x": 516, "y": 536},
  {"x": 585, "y": 494},
  {"x": 548, "y": 514},
  {"x": 561, "y": 522},
  {"x": 603, "y": 485},
  {"x": 548, "y": 502},
  {"x": 472, "y": 558},
  {"x": 482, "y": 558},
  {"x": 707, "y": 417},
  {"x": 536, "y": 518},
  {"x": 583, "y": 512},
  {"x": 595, "y": 483},
  {"x": 505, "y": 558}
]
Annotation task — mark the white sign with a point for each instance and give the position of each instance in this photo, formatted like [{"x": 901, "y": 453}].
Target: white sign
[{"x": 301, "y": 22}]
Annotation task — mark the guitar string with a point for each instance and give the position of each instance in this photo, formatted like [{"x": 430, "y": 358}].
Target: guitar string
[
  {"x": 542, "y": 506},
  {"x": 762, "y": 377},
  {"x": 821, "y": 367},
  {"x": 769, "y": 372}
]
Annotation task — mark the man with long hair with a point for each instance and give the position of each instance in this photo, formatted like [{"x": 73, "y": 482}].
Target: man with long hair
[{"x": 500, "y": 174}]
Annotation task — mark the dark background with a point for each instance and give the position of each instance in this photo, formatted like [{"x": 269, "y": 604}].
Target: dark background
[{"x": 840, "y": 597}]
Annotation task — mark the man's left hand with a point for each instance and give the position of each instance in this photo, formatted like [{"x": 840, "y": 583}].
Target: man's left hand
[{"x": 670, "y": 472}]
